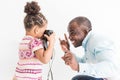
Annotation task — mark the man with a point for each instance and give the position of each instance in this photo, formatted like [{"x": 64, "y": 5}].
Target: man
[{"x": 99, "y": 61}]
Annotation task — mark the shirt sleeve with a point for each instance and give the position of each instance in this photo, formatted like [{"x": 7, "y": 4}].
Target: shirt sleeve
[
  {"x": 81, "y": 60},
  {"x": 101, "y": 69},
  {"x": 36, "y": 44},
  {"x": 105, "y": 65}
]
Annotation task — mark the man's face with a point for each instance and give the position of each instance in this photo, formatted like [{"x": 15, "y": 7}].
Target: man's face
[{"x": 76, "y": 34}]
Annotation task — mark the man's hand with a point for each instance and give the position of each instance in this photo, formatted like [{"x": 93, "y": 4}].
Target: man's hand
[
  {"x": 70, "y": 60},
  {"x": 64, "y": 44},
  {"x": 68, "y": 57}
]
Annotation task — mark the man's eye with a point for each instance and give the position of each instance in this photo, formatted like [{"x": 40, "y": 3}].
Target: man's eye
[{"x": 72, "y": 33}]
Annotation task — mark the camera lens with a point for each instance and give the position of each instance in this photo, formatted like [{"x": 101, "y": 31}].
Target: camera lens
[{"x": 48, "y": 32}]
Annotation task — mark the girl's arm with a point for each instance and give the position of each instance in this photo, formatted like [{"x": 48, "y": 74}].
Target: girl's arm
[{"x": 45, "y": 55}]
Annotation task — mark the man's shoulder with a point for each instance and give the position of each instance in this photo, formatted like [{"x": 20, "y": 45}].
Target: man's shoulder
[{"x": 99, "y": 39}]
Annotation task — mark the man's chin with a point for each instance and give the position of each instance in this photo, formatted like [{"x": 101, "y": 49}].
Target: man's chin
[{"x": 76, "y": 45}]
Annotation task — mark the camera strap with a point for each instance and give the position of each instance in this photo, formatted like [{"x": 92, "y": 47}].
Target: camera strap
[{"x": 50, "y": 74}]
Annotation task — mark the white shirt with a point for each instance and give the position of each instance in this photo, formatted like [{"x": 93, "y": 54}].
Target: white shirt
[{"x": 100, "y": 58}]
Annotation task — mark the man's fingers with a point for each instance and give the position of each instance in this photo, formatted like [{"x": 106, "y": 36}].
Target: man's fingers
[
  {"x": 68, "y": 45},
  {"x": 68, "y": 54},
  {"x": 64, "y": 48},
  {"x": 62, "y": 41},
  {"x": 67, "y": 63},
  {"x": 67, "y": 60},
  {"x": 59, "y": 39},
  {"x": 66, "y": 37},
  {"x": 63, "y": 58}
]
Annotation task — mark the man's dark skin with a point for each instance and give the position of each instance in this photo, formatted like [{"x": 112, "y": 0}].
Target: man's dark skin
[{"x": 77, "y": 33}]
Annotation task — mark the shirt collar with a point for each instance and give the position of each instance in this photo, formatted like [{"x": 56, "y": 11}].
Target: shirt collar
[{"x": 86, "y": 39}]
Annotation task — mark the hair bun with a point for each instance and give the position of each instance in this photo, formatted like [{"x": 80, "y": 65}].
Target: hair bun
[{"x": 32, "y": 8}]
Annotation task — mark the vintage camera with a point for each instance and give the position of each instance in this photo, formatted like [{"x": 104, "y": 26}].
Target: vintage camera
[{"x": 47, "y": 32}]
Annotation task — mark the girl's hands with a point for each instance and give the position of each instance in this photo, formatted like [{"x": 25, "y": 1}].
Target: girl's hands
[{"x": 51, "y": 38}]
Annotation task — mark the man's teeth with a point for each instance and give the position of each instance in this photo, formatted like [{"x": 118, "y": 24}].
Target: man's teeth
[{"x": 72, "y": 42}]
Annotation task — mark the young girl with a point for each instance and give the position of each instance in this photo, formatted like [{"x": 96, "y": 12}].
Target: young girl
[{"x": 31, "y": 52}]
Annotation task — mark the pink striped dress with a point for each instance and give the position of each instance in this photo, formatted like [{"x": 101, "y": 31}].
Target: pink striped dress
[{"x": 28, "y": 66}]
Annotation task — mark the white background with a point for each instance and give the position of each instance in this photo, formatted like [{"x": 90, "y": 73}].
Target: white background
[{"x": 104, "y": 15}]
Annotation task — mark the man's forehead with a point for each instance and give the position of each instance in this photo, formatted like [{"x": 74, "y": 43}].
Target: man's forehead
[{"x": 73, "y": 25}]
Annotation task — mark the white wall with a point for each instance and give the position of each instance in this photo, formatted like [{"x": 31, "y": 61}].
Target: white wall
[{"x": 104, "y": 15}]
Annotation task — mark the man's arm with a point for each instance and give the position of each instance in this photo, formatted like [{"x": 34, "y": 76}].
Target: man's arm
[{"x": 105, "y": 61}]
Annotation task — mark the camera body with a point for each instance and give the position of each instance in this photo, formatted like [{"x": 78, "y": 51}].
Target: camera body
[{"x": 47, "y": 32}]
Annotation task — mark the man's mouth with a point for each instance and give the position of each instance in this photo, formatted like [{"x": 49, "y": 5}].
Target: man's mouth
[{"x": 72, "y": 42}]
